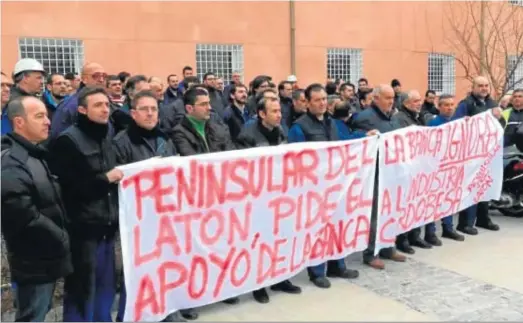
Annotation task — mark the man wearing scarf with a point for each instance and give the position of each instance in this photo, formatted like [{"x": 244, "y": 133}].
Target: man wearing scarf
[{"x": 55, "y": 92}]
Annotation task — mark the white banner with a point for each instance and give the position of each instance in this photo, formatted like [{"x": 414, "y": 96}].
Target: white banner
[
  {"x": 197, "y": 230},
  {"x": 427, "y": 173}
]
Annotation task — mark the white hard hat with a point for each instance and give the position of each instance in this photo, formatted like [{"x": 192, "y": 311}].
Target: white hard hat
[
  {"x": 292, "y": 78},
  {"x": 28, "y": 65}
]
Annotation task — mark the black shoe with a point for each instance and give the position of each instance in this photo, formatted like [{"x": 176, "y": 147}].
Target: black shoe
[
  {"x": 420, "y": 243},
  {"x": 406, "y": 248},
  {"x": 451, "y": 234},
  {"x": 261, "y": 296},
  {"x": 489, "y": 226},
  {"x": 287, "y": 287},
  {"x": 346, "y": 273},
  {"x": 433, "y": 240},
  {"x": 321, "y": 282},
  {"x": 174, "y": 317},
  {"x": 189, "y": 314},
  {"x": 232, "y": 300},
  {"x": 468, "y": 230}
]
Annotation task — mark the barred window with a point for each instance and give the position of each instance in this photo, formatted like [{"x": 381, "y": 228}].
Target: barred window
[
  {"x": 345, "y": 64},
  {"x": 516, "y": 2},
  {"x": 515, "y": 72},
  {"x": 221, "y": 59},
  {"x": 57, "y": 55},
  {"x": 442, "y": 73}
]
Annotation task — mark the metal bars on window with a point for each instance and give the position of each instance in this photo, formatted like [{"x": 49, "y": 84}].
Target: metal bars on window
[
  {"x": 516, "y": 2},
  {"x": 57, "y": 55},
  {"x": 515, "y": 72},
  {"x": 345, "y": 64},
  {"x": 442, "y": 73},
  {"x": 221, "y": 59}
]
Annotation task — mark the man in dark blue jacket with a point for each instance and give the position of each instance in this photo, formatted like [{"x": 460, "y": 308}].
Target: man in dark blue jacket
[
  {"x": 476, "y": 102},
  {"x": 93, "y": 75},
  {"x": 378, "y": 116},
  {"x": 316, "y": 125}
]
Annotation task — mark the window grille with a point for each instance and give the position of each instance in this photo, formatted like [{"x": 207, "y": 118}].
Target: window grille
[
  {"x": 221, "y": 59},
  {"x": 57, "y": 55},
  {"x": 345, "y": 64},
  {"x": 442, "y": 73}
]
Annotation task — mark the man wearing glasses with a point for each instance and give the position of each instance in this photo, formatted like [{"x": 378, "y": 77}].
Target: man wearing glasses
[
  {"x": 93, "y": 75},
  {"x": 142, "y": 140}
]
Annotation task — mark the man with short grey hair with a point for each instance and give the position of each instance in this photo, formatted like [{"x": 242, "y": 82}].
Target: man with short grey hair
[
  {"x": 33, "y": 215},
  {"x": 409, "y": 114},
  {"x": 378, "y": 116}
]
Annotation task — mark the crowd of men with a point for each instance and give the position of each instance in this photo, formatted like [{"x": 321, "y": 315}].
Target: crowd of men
[{"x": 61, "y": 149}]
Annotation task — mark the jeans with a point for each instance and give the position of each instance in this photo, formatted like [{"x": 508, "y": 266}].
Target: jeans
[
  {"x": 91, "y": 289},
  {"x": 446, "y": 224},
  {"x": 475, "y": 214},
  {"x": 34, "y": 301},
  {"x": 320, "y": 270}
]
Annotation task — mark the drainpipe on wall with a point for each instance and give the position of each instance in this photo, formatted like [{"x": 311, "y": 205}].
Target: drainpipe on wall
[{"x": 293, "y": 36}]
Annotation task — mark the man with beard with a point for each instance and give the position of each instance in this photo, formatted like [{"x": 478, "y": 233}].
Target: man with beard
[
  {"x": 209, "y": 80},
  {"x": 171, "y": 114},
  {"x": 266, "y": 131},
  {"x": 236, "y": 115},
  {"x": 171, "y": 93},
  {"x": 55, "y": 92}
]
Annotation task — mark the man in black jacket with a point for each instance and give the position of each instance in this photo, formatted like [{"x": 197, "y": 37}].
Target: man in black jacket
[
  {"x": 142, "y": 140},
  {"x": 216, "y": 97},
  {"x": 121, "y": 117},
  {"x": 33, "y": 216},
  {"x": 267, "y": 131},
  {"x": 409, "y": 114},
  {"x": 236, "y": 114},
  {"x": 197, "y": 133},
  {"x": 476, "y": 102},
  {"x": 172, "y": 113},
  {"x": 84, "y": 160},
  {"x": 378, "y": 116}
]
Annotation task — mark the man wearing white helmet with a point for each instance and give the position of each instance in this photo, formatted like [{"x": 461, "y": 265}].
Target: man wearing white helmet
[{"x": 28, "y": 76}]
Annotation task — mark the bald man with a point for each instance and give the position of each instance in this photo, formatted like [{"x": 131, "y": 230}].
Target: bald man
[
  {"x": 93, "y": 75},
  {"x": 378, "y": 116},
  {"x": 476, "y": 102}
]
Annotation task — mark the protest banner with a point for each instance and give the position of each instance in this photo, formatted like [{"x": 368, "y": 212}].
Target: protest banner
[
  {"x": 197, "y": 230},
  {"x": 427, "y": 173}
]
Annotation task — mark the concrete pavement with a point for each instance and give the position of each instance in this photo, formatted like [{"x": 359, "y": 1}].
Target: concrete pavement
[{"x": 480, "y": 279}]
